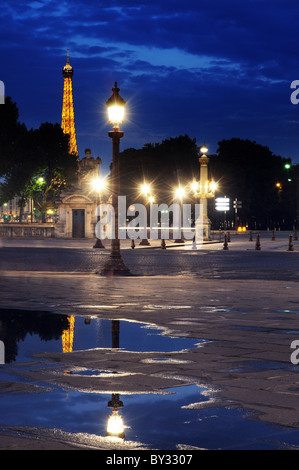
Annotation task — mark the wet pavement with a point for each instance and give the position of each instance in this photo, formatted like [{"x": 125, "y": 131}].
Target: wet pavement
[{"x": 201, "y": 359}]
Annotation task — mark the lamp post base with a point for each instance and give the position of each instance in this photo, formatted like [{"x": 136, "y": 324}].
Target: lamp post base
[
  {"x": 115, "y": 266},
  {"x": 99, "y": 244},
  {"x": 144, "y": 242}
]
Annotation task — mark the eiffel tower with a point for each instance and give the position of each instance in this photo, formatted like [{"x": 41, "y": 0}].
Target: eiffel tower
[{"x": 68, "y": 116}]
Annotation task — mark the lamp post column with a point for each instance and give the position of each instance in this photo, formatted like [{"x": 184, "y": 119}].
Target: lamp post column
[
  {"x": 204, "y": 189},
  {"x": 115, "y": 265}
]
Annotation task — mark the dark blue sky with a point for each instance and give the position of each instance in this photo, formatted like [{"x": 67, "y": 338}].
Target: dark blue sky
[{"x": 212, "y": 70}]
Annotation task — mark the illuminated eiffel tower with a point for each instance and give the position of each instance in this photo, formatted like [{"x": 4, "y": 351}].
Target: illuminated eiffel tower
[{"x": 68, "y": 116}]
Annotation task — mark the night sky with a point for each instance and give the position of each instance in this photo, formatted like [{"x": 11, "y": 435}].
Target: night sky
[{"x": 210, "y": 69}]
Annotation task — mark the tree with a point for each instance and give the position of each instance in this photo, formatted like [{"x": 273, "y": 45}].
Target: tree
[
  {"x": 249, "y": 171},
  {"x": 55, "y": 168},
  {"x": 164, "y": 165},
  {"x": 34, "y": 163}
]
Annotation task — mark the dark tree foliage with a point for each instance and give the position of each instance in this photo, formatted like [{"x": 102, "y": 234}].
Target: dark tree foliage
[
  {"x": 33, "y": 163},
  {"x": 164, "y": 165},
  {"x": 243, "y": 169},
  {"x": 249, "y": 172}
]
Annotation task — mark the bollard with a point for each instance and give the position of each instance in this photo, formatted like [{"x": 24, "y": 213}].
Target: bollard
[
  {"x": 296, "y": 235},
  {"x": 258, "y": 243},
  {"x": 163, "y": 244},
  {"x": 250, "y": 236},
  {"x": 225, "y": 245},
  {"x": 273, "y": 235},
  {"x": 132, "y": 244},
  {"x": 228, "y": 237},
  {"x": 291, "y": 246}
]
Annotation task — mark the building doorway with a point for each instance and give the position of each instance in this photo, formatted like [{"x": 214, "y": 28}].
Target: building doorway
[{"x": 78, "y": 223}]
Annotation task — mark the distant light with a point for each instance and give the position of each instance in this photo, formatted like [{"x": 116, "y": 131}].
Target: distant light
[
  {"x": 145, "y": 188},
  {"x": 98, "y": 184},
  {"x": 180, "y": 192},
  {"x": 213, "y": 186},
  {"x": 204, "y": 149},
  {"x": 287, "y": 166},
  {"x": 195, "y": 186}
]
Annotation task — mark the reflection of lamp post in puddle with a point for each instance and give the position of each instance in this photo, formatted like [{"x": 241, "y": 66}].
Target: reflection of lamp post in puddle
[{"x": 115, "y": 424}]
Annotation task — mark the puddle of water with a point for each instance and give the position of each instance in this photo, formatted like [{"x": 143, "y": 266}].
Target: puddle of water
[
  {"x": 181, "y": 418},
  {"x": 25, "y": 333},
  {"x": 178, "y": 420}
]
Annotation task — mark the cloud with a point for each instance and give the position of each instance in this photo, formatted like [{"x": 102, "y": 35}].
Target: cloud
[{"x": 216, "y": 69}]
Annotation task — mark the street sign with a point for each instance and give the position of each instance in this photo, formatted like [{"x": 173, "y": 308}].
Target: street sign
[
  {"x": 237, "y": 204},
  {"x": 222, "y": 203}
]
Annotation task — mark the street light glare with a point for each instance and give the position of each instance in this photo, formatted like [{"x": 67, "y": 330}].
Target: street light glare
[
  {"x": 194, "y": 186},
  {"x": 116, "y": 114},
  {"x": 180, "y": 192},
  {"x": 145, "y": 188},
  {"x": 99, "y": 184},
  {"x": 213, "y": 186}
]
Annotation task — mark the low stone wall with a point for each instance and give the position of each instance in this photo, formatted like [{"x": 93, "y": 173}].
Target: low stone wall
[{"x": 16, "y": 230}]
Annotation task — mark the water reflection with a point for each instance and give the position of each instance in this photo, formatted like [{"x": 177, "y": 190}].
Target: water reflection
[
  {"x": 25, "y": 333},
  {"x": 68, "y": 335},
  {"x": 115, "y": 424},
  {"x": 28, "y": 332},
  {"x": 15, "y": 325}
]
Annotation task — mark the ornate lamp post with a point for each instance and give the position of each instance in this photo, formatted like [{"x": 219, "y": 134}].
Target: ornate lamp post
[
  {"x": 98, "y": 185},
  {"x": 116, "y": 108},
  {"x": 204, "y": 190},
  {"x": 179, "y": 194}
]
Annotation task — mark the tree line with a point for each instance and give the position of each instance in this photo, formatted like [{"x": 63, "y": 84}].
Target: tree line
[
  {"x": 265, "y": 183},
  {"x": 34, "y": 163},
  {"x": 37, "y": 164}
]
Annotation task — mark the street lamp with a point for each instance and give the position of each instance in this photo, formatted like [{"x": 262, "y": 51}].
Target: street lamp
[
  {"x": 204, "y": 190},
  {"x": 145, "y": 190},
  {"x": 179, "y": 194},
  {"x": 98, "y": 185},
  {"x": 116, "y": 108}
]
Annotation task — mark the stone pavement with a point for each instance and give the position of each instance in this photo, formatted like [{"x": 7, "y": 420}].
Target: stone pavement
[{"x": 243, "y": 302}]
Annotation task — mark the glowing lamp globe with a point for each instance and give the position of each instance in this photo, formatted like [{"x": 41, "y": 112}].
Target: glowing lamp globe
[
  {"x": 180, "y": 192},
  {"x": 213, "y": 186},
  {"x": 116, "y": 107},
  {"x": 204, "y": 149},
  {"x": 145, "y": 188}
]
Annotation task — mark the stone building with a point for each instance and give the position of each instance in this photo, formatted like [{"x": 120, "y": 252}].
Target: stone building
[{"x": 77, "y": 205}]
